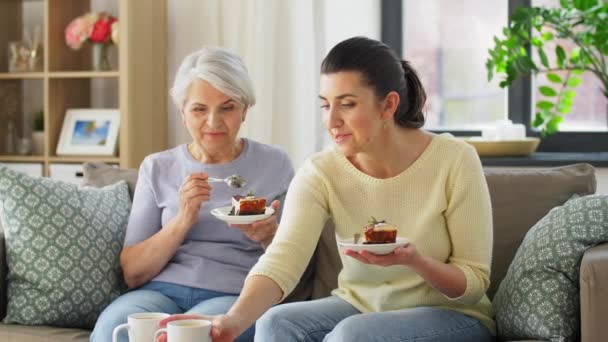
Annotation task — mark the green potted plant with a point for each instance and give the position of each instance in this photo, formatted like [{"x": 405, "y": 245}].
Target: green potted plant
[
  {"x": 38, "y": 133},
  {"x": 580, "y": 24}
]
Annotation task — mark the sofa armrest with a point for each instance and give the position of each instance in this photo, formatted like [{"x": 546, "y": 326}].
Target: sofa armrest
[
  {"x": 594, "y": 294},
  {"x": 3, "y": 275}
]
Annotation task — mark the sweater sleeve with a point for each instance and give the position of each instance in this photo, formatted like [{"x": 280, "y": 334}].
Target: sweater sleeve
[
  {"x": 145, "y": 217},
  {"x": 288, "y": 173},
  {"x": 304, "y": 215},
  {"x": 469, "y": 221}
]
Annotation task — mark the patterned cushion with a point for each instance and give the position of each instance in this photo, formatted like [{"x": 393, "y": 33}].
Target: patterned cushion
[
  {"x": 538, "y": 298},
  {"x": 63, "y": 245}
]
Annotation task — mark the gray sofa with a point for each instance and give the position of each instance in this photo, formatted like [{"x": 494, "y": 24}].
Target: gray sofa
[{"x": 519, "y": 199}]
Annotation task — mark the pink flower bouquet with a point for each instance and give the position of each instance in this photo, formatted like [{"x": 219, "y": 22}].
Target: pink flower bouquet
[{"x": 93, "y": 27}]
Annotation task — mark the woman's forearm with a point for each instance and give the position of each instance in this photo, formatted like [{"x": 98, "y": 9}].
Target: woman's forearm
[
  {"x": 447, "y": 279},
  {"x": 143, "y": 261},
  {"x": 259, "y": 294}
]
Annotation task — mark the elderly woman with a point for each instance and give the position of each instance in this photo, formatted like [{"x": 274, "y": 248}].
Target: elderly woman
[{"x": 177, "y": 257}]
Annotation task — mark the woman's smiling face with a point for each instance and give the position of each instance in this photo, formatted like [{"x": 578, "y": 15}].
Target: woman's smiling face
[
  {"x": 212, "y": 118},
  {"x": 351, "y": 111}
]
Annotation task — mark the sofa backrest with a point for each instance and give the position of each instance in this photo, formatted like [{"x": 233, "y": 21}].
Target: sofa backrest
[{"x": 519, "y": 197}]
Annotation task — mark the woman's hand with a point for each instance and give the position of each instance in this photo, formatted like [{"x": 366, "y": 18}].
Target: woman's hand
[
  {"x": 224, "y": 328},
  {"x": 193, "y": 192},
  {"x": 261, "y": 231},
  {"x": 447, "y": 279},
  {"x": 405, "y": 256}
]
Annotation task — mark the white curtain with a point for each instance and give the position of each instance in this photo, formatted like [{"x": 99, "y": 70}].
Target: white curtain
[{"x": 281, "y": 42}]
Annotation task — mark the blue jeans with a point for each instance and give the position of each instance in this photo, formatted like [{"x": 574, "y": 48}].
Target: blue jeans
[
  {"x": 163, "y": 297},
  {"x": 332, "y": 319}
]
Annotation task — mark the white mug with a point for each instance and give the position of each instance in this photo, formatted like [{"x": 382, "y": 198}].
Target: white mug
[
  {"x": 140, "y": 326},
  {"x": 187, "y": 330}
]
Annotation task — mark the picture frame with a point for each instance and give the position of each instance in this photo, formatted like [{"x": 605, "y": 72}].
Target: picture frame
[{"x": 89, "y": 131}]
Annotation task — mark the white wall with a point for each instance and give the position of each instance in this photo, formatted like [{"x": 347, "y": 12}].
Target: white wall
[{"x": 347, "y": 18}]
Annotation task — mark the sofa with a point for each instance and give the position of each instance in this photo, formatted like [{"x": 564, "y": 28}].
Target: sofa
[{"x": 519, "y": 199}]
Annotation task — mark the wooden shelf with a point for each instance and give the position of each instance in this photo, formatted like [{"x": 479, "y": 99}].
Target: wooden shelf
[
  {"x": 21, "y": 159},
  {"x": 83, "y": 159},
  {"x": 21, "y": 75},
  {"x": 138, "y": 88},
  {"x": 84, "y": 74},
  {"x": 59, "y": 74}
]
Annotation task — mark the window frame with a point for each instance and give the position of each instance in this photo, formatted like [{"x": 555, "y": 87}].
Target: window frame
[{"x": 519, "y": 93}]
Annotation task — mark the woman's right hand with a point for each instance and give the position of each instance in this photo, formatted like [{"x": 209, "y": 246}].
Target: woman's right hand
[
  {"x": 193, "y": 192},
  {"x": 224, "y": 328}
]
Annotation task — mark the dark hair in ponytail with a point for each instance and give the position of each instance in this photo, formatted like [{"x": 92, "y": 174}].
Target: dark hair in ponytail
[{"x": 382, "y": 70}]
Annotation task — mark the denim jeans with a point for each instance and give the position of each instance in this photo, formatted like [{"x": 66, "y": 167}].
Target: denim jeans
[
  {"x": 162, "y": 297},
  {"x": 332, "y": 319}
]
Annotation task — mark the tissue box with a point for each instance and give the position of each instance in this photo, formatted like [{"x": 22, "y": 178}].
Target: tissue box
[{"x": 504, "y": 130}]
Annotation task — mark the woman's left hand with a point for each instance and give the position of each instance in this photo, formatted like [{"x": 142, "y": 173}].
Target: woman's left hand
[
  {"x": 405, "y": 256},
  {"x": 223, "y": 327},
  {"x": 261, "y": 231}
]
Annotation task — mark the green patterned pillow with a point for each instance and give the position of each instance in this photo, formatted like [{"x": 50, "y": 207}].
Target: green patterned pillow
[
  {"x": 62, "y": 245},
  {"x": 539, "y": 297}
]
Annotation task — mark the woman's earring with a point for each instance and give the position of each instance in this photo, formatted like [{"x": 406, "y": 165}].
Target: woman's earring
[{"x": 384, "y": 125}]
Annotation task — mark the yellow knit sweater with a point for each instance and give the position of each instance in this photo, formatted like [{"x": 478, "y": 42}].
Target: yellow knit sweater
[{"x": 440, "y": 203}]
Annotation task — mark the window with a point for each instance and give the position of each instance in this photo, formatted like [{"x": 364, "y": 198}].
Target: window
[
  {"x": 590, "y": 107},
  {"x": 447, "y": 41}
]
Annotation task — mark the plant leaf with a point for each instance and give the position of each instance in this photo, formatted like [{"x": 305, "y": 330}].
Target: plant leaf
[
  {"x": 568, "y": 94},
  {"x": 543, "y": 57},
  {"x": 574, "y": 81},
  {"x": 584, "y": 5},
  {"x": 554, "y": 78},
  {"x": 544, "y": 105},
  {"x": 566, "y": 101},
  {"x": 536, "y": 42},
  {"x": 547, "y": 91},
  {"x": 575, "y": 54},
  {"x": 561, "y": 56},
  {"x": 564, "y": 109},
  {"x": 490, "y": 69},
  {"x": 553, "y": 124},
  {"x": 539, "y": 119}
]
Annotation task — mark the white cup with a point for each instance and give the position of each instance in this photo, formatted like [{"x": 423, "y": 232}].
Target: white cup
[
  {"x": 187, "y": 330},
  {"x": 140, "y": 326}
]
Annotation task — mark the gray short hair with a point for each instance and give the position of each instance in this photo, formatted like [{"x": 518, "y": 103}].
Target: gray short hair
[{"x": 219, "y": 67}]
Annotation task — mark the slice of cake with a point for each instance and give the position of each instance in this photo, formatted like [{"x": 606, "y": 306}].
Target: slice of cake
[
  {"x": 248, "y": 205},
  {"x": 379, "y": 232}
]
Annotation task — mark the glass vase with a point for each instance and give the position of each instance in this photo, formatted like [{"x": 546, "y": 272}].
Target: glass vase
[{"x": 101, "y": 62}]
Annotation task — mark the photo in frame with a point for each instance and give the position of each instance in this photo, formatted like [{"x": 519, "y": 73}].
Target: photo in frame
[{"x": 89, "y": 131}]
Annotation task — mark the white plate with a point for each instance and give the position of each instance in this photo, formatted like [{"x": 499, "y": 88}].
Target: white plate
[
  {"x": 381, "y": 248},
  {"x": 222, "y": 214}
]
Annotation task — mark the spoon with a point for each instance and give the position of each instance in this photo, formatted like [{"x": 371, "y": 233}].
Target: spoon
[{"x": 234, "y": 181}]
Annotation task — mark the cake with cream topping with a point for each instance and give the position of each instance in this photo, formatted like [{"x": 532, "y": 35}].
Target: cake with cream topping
[
  {"x": 248, "y": 205},
  {"x": 379, "y": 232}
]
